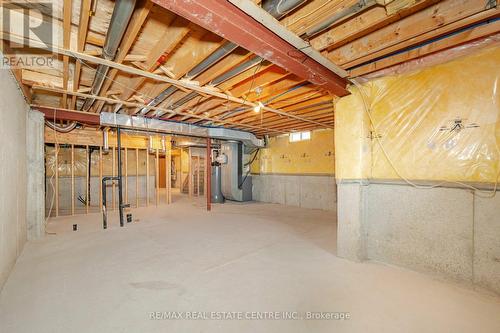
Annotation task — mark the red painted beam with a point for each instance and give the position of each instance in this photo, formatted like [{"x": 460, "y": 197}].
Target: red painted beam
[
  {"x": 231, "y": 23},
  {"x": 68, "y": 115},
  {"x": 208, "y": 190}
]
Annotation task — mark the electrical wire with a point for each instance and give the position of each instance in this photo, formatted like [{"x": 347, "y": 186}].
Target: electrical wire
[
  {"x": 249, "y": 169},
  {"x": 477, "y": 191}
]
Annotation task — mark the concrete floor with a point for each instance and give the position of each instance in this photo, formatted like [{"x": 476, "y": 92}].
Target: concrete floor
[{"x": 238, "y": 258}]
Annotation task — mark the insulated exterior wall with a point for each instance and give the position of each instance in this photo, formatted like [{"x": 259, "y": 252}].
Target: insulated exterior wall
[
  {"x": 438, "y": 125},
  {"x": 297, "y": 173},
  {"x": 314, "y": 156},
  {"x": 13, "y": 119}
]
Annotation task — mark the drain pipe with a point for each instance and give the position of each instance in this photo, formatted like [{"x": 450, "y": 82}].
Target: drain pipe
[
  {"x": 277, "y": 8},
  {"x": 117, "y": 25}
]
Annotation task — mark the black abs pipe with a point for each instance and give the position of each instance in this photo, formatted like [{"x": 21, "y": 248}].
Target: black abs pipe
[
  {"x": 121, "y": 205},
  {"x": 104, "y": 209},
  {"x": 120, "y": 183}
]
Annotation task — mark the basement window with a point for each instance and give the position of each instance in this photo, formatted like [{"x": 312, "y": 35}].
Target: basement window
[{"x": 300, "y": 136}]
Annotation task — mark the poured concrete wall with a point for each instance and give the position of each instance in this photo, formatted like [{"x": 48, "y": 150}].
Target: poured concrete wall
[
  {"x": 445, "y": 231},
  {"x": 35, "y": 179},
  {"x": 13, "y": 110},
  {"x": 317, "y": 192}
]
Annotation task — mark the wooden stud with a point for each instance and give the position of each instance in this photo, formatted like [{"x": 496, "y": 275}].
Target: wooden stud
[
  {"x": 72, "y": 179},
  {"x": 168, "y": 176},
  {"x": 147, "y": 177},
  {"x": 190, "y": 173},
  {"x": 100, "y": 179},
  {"x": 157, "y": 176},
  {"x": 198, "y": 176}
]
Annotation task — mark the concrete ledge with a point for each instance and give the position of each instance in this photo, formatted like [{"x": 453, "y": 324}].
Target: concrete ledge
[
  {"x": 307, "y": 191},
  {"x": 445, "y": 231}
]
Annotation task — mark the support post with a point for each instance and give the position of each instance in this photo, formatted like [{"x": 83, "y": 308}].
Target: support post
[
  {"x": 87, "y": 192},
  {"x": 157, "y": 176},
  {"x": 72, "y": 179},
  {"x": 209, "y": 174},
  {"x": 136, "y": 177},
  {"x": 113, "y": 171},
  {"x": 121, "y": 206},
  {"x": 56, "y": 151},
  {"x": 167, "y": 175}
]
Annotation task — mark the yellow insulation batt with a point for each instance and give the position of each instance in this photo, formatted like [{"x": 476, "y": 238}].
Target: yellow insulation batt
[
  {"x": 438, "y": 124},
  {"x": 314, "y": 156}
]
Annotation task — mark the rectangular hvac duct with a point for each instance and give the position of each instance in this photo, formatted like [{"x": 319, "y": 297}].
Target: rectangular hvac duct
[{"x": 162, "y": 126}]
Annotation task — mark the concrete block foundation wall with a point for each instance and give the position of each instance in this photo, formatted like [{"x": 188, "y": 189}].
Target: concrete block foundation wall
[
  {"x": 445, "y": 231},
  {"x": 16, "y": 130},
  {"x": 306, "y": 191}
]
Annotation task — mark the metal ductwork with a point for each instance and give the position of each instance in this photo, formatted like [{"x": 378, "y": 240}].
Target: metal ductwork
[
  {"x": 162, "y": 126},
  {"x": 340, "y": 17},
  {"x": 277, "y": 8},
  {"x": 220, "y": 53},
  {"x": 117, "y": 26},
  {"x": 220, "y": 79}
]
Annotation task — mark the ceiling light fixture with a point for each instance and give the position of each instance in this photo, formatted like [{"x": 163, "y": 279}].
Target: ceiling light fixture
[{"x": 258, "y": 107}]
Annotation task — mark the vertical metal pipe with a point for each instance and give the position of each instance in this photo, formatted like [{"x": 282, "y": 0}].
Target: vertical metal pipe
[
  {"x": 126, "y": 173},
  {"x": 56, "y": 151},
  {"x": 136, "y": 177},
  {"x": 72, "y": 179},
  {"x": 87, "y": 190},
  {"x": 113, "y": 173},
  {"x": 103, "y": 204},
  {"x": 120, "y": 182},
  {"x": 209, "y": 174}
]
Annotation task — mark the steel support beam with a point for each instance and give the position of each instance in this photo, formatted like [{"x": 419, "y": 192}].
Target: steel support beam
[
  {"x": 233, "y": 24},
  {"x": 63, "y": 114}
]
